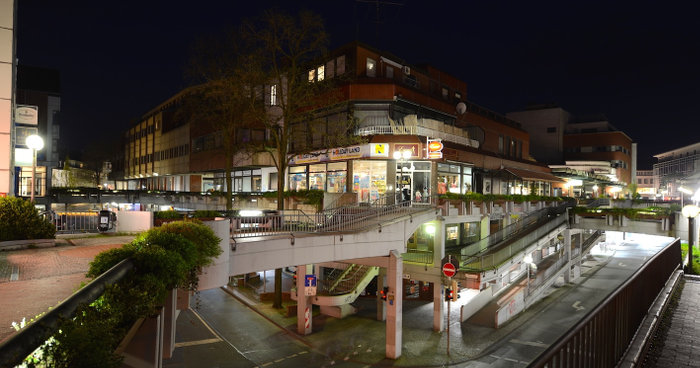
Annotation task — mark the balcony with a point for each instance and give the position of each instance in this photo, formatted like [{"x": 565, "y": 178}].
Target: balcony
[{"x": 410, "y": 125}]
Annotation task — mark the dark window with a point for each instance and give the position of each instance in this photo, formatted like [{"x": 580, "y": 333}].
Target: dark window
[{"x": 552, "y": 130}]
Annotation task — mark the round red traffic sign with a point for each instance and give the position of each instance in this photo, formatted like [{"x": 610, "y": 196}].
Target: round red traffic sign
[{"x": 449, "y": 269}]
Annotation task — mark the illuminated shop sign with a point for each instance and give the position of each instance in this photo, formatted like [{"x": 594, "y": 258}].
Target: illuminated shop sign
[{"x": 434, "y": 150}]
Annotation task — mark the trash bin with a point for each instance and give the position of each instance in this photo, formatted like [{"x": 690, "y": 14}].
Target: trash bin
[{"x": 106, "y": 220}]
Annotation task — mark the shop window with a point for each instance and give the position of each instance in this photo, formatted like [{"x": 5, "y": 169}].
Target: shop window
[
  {"x": 317, "y": 177},
  {"x": 336, "y": 177},
  {"x": 369, "y": 179},
  {"x": 297, "y": 178}
]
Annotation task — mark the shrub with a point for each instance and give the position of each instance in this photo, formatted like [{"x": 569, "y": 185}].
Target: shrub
[
  {"x": 19, "y": 220},
  {"x": 206, "y": 214},
  {"x": 169, "y": 215},
  {"x": 164, "y": 258}
]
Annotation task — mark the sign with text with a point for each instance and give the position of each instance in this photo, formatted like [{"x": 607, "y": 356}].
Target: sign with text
[
  {"x": 435, "y": 147},
  {"x": 378, "y": 150},
  {"x": 27, "y": 114},
  {"x": 412, "y": 147}
]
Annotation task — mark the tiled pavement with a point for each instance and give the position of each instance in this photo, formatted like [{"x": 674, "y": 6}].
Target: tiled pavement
[
  {"x": 33, "y": 280},
  {"x": 680, "y": 348}
]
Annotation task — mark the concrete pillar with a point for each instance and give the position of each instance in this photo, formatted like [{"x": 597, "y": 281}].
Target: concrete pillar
[
  {"x": 438, "y": 308},
  {"x": 304, "y": 305},
  {"x": 439, "y": 243},
  {"x": 169, "y": 318},
  {"x": 394, "y": 318},
  {"x": 381, "y": 282},
  {"x": 567, "y": 254}
]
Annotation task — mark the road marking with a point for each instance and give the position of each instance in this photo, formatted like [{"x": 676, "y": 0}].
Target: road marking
[
  {"x": 198, "y": 342},
  {"x": 530, "y": 343},
  {"x": 266, "y": 364},
  {"x": 577, "y": 305},
  {"x": 509, "y": 359},
  {"x": 15, "y": 273},
  {"x": 621, "y": 264},
  {"x": 205, "y": 324}
]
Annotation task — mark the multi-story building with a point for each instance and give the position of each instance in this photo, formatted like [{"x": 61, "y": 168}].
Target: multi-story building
[
  {"x": 38, "y": 108},
  {"x": 647, "y": 184},
  {"x": 399, "y": 108},
  {"x": 586, "y": 149},
  {"x": 7, "y": 90},
  {"x": 678, "y": 167}
]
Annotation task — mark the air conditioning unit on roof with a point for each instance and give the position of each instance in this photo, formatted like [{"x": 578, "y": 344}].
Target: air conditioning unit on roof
[{"x": 407, "y": 70}]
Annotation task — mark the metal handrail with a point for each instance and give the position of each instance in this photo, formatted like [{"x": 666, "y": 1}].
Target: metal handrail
[
  {"x": 20, "y": 345},
  {"x": 602, "y": 336}
]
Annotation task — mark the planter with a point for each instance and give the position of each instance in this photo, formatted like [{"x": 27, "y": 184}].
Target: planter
[{"x": 28, "y": 243}]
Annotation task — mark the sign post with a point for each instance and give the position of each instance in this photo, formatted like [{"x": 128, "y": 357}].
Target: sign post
[{"x": 449, "y": 269}]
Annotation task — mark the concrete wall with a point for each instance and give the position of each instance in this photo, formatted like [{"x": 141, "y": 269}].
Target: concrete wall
[
  {"x": 134, "y": 221},
  {"x": 7, "y": 52},
  {"x": 216, "y": 274}
]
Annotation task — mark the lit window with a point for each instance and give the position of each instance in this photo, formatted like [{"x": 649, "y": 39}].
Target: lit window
[
  {"x": 321, "y": 72},
  {"x": 312, "y": 75},
  {"x": 458, "y": 96},
  {"x": 445, "y": 92},
  {"x": 273, "y": 95},
  {"x": 371, "y": 68}
]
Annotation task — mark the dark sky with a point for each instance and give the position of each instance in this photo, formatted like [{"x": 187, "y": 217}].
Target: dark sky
[{"x": 636, "y": 62}]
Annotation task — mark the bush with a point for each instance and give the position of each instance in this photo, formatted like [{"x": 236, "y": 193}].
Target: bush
[
  {"x": 19, "y": 220},
  {"x": 168, "y": 215},
  {"x": 206, "y": 214},
  {"x": 164, "y": 258}
]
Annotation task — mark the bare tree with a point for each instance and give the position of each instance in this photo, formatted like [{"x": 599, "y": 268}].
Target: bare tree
[
  {"x": 223, "y": 99},
  {"x": 288, "y": 48}
]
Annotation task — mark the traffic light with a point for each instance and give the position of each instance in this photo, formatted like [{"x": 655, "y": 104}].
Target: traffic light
[
  {"x": 448, "y": 294},
  {"x": 383, "y": 293}
]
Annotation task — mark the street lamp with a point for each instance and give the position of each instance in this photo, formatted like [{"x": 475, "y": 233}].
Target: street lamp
[
  {"x": 684, "y": 190},
  {"x": 528, "y": 261},
  {"x": 690, "y": 211},
  {"x": 35, "y": 143},
  {"x": 401, "y": 156}
]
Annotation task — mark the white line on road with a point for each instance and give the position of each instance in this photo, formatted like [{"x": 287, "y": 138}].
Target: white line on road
[
  {"x": 15, "y": 273},
  {"x": 198, "y": 342},
  {"x": 509, "y": 359},
  {"x": 531, "y": 343}
]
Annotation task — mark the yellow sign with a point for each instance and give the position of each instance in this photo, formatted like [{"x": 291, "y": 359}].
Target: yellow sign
[{"x": 379, "y": 150}]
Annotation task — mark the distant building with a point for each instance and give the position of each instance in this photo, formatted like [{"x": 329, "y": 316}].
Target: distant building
[
  {"x": 38, "y": 97},
  {"x": 678, "y": 167},
  {"x": 565, "y": 141},
  {"x": 647, "y": 184}
]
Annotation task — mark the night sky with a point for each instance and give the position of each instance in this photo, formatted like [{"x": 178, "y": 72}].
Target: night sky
[{"x": 637, "y": 62}]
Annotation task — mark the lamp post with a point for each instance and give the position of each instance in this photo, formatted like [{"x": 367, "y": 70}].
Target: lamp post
[
  {"x": 690, "y": 211},
  {"x": 401, "y": 156},
  {"x": 35, "y": 143},
  {"x": 528, "y": 261}
]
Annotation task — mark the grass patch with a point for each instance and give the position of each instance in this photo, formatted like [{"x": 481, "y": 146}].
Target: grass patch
[{"x": 696, "y": 257}]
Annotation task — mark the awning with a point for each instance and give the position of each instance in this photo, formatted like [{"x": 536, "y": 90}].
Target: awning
[{"x": 533, "y": 175}]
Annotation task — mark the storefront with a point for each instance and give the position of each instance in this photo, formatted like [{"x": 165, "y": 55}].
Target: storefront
[{"x": 454, "y": 177}]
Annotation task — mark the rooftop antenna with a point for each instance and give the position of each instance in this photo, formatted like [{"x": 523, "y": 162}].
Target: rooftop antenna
[{"x": 377, "y": 4}]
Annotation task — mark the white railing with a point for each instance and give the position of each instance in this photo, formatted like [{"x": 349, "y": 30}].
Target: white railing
[{"x": 416, "y": 130}]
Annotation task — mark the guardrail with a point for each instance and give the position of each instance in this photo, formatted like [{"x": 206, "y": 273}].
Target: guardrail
[
  {"x": 20, "y": 345},
  {"x": 348, "y": 218},
  {"x": 601, "y": 338}
]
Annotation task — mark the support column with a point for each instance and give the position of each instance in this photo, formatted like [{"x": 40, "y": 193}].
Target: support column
[
  {"x": 381, "y": 307},
  {"x": 304, "y": 305},
  {"x": 394, "y": 306},
  {"x": 438, "y": 308},
  {"x": 567, "y": 252}
]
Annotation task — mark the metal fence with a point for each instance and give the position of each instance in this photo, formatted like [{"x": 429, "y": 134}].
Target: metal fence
[
  {"x": 602, "y": 337},
  {"x": 347, "y": 218},
  {"x": 488, "y": 253},
  {"x": 73, "y": 222},
  {"x": 343, "y": 281}
]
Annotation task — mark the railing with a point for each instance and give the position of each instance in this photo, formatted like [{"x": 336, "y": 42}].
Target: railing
[
  {"x": 475, "y": 254},
  {"x": 344, "y": 281},
  {"x": 348, "y": 218},
  {"x": 416, "y": 130},
  {"x": 489, "y": 259},
  {"x": 424, "y": 257},
  {"x": 19, "y": 346},
  {"x": 72, "y": 222},
  {"x": 601, "y": 338}
]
